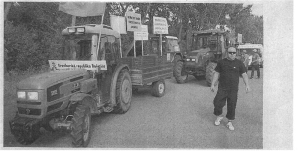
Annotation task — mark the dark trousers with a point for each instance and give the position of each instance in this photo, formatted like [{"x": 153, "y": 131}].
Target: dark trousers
[
  {"x": 255, "y": 67},
  {"x": 220, "y": 100}
]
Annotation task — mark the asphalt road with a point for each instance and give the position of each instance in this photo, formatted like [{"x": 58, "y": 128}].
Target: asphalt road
[{"x": 182, "y": 119}]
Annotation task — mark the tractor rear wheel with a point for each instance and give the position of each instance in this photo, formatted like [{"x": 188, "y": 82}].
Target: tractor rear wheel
[
  {"x": 123, "y": 92},
  {"x": 81, "y": 124},
  {"x": 179, "y": 72},
  {"x": 210, "y": 70}
]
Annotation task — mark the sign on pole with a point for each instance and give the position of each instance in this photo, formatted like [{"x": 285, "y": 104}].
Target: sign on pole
[
  {"x": 133, "y": 21},
  {"x": 160, "y": 25},
  {"x": 143, "y": 34}
]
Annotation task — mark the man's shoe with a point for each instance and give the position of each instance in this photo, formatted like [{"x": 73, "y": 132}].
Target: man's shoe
[
  {"x": 230, "y": 126},
  {"x": 251, "y": 77},
  {"x": 218, "y": 120}
]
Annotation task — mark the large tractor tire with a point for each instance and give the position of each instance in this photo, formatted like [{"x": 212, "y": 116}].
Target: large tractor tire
[
  {"x": 27, "y": 136},
  {"x": 81, "y": 124},
  {"x": 179, "y": 73},
  {"x": 210, "y": 70},
  {"x": 159, "y": 88},
  {"x": 123, "y": 92}
]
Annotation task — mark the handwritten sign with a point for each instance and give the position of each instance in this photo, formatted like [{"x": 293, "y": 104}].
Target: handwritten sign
[
  {"x": 73, "y": 65},
  {"x": 160, "y": 25},
  {"x": 133, "y": 21},
  {"x": 141, "y": 35}
]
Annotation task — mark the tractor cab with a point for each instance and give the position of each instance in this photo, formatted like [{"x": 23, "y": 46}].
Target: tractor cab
[
  {"x": 213, "y": 42},
  {"x": 205, "y": 48},
  {"x": 82, "y": 41}
]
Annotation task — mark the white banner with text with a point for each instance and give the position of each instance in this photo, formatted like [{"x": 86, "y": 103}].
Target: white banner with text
[{"x": 73, "y": 65}]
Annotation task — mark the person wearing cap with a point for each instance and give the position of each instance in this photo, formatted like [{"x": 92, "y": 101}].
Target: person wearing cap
[
  {"x": 255, "y": 64},
  {"x": 228, "y": 71}
]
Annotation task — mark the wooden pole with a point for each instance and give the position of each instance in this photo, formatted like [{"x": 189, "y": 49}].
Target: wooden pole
[
  {"x": 160, "y": 43},
  {"x": 134, "y": 47},
  {"x": 142, "y": 47}
]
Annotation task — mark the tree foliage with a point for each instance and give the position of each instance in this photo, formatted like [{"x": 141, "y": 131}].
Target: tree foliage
[{"x": 33, "y": 29}]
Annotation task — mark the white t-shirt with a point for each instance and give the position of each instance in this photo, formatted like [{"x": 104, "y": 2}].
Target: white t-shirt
[{"x": 250, "y": 60}]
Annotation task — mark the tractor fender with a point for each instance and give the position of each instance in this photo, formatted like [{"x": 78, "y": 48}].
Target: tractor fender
[
  {"x": 113, "y": 84},
  {"x": 177, "y": 54},
  {"x": 86, "y": 99}
]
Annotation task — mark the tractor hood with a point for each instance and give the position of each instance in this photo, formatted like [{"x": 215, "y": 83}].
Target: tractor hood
[{"x": 43, "y": 81}]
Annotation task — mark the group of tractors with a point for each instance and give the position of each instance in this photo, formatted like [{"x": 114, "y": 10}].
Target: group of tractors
[{"x": 66, "y": 99}]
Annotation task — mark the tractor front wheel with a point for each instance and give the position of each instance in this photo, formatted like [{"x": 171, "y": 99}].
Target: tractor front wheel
[
  {"x": 179, "y": 72},
  {"x": 81, "y": 124},
  {"x": 27, "y": 136}
]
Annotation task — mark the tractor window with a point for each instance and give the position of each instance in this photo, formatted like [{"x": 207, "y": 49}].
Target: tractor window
[
  {"x": 108, "y": 46},
  {"x": 84, "y": 50},
  {"x": 200, "y": 42},
  {"x": 171, "y": 45},
  {"x": 212, "y": 42},
  {"x": 155, "y": 46}
]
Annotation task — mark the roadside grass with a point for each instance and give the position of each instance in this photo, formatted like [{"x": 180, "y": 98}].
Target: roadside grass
[{"x": 11, "y": 80}]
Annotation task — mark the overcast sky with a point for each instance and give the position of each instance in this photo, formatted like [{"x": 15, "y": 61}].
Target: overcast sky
[{"x": 257, "y": 9}]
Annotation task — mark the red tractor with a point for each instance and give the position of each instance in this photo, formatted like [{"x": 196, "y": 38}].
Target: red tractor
[{"x": 205, "y": 49}]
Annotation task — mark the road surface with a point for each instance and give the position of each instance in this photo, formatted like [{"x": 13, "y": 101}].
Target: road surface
[{"x": 183, "y": 118}]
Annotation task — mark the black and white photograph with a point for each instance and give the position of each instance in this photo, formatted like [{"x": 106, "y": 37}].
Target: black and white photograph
[{"x": 147, "y": 74}]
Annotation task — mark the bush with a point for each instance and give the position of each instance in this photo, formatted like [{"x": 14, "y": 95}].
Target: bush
[{"x": 29, "y": 48}]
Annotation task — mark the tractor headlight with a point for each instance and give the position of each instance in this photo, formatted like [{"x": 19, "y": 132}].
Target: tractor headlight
[
  {"x": 187, "y": 59},
  {"x": 193, "y": 59},
  {"x": 21, "y": 95},
  {"x": 71, "y": 30},
  {"x": 81, "y": 30},
  {"x": 33, "y": 95}
]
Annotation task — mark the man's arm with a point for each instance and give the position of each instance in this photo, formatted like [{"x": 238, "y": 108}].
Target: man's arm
[
  {"x": 215, "y": 78},
  {"x": 245, "y": 78}
]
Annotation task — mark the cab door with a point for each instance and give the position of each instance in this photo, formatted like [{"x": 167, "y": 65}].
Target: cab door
[{"x": 107, "y": 52}]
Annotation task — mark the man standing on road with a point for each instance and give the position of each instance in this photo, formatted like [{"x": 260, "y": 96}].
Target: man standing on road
[
  {"x": 255, "y": 64},
  {"x": 227, "y": 72}
]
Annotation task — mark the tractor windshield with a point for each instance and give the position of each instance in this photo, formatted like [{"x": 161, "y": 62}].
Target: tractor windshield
[
  {"x": 204, "y": 41},
  {"x": 199, "y": 42},
  {"x": 77, "y": 49},
  {"x": 172, "y": 45},
  {"x": 212, "y": 43}
]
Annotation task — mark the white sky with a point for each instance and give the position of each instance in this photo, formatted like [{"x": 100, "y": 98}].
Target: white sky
[{"x": 257, "y": 8}]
